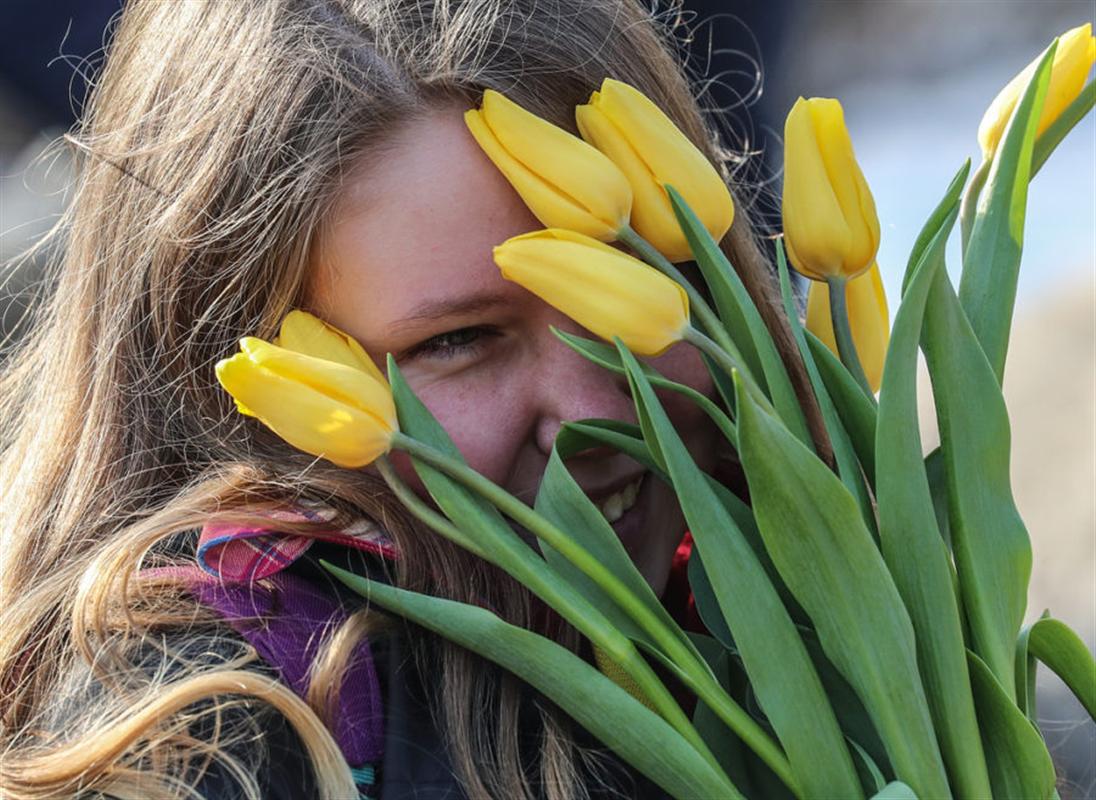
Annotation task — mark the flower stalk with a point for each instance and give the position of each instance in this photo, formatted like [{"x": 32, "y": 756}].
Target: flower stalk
[
  {"x": 697, "y": 303},
  {"x": 842, "y": 332}
]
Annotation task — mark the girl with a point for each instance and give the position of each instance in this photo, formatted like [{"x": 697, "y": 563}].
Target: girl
[{"x": 242, "y": 159}]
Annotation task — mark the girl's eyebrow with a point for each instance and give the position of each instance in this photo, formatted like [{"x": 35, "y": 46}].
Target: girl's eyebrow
[{"x": 450, "y": 306}]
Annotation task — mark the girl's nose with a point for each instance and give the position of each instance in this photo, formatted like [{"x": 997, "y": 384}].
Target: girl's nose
[{"x": 569, "y": 387}]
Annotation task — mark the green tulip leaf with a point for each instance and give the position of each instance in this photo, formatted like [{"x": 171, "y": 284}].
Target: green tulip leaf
[
  {"x": 723, "y": 383},
  {"x": 856, "y": 410},
  {"x": 728, "y": 749},
  {"x": 713, "y": 264},
  {"x": 848, "y": 466},
  {"x": 854, "y": 718},
  {"x": 911, "y": 544},
  {"x": 817, "y": 538},
  {"x": 990, "y": 544},
  {"x": 935, "y": 221},
  {"x": 776, "y": 660},
  {"x": 574, "y": 437},
  {"x": 740, "y": 315},
  {"x": 707, "y": 606},
  {"x": 1019, "y": 764},
  {"x": 605, "y": 355},
  {"x": 1052, "y": 642},
  {"x": 1026, "y": 668},
  {"x": 625, "y": 725},
  {"x": 561, "y": 500},
  {"x": 896, "y": 790},
  {"x": 627, "y": 438},
  {"x": 991, "y": 261},
  {"x": 870, "y": 774}
]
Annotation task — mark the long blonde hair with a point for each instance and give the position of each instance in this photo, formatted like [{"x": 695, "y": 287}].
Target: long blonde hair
[{"x": 210, "y": 153}]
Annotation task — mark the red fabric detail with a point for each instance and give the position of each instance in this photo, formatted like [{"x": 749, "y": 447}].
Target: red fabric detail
[
  {"x": 678, "y": 597},
  {"x": 242, "y": 555}
]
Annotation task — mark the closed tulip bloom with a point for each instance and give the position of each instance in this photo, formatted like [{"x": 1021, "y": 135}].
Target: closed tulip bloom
[
  {"x": 565, "y": 182},
  {"x": 601, "y": 288},
  {"x": 624, "y": 124},
  {"x": 830, "y": 225},
  {"x": 869, "y": 320},
  {"x": 324, "y": 407},
  {"x": 1072, "y": 61}
]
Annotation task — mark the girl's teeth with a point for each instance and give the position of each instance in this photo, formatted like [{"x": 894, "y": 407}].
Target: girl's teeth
[{"x": 614, "y": 508}]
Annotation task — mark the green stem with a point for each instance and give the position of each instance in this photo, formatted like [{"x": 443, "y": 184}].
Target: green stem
[
  {"x": 728, "y": 364},
  {"x": 693, "y": 670},
  {"x": 697, "y": 304},
  {"x": 614, "y": 644},
  {"x": 839, "y": 315},
  {"x": 421, "y": 510}
]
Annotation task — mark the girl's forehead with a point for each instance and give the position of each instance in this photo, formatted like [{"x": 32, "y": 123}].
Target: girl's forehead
[{"x": 419, "y": 223}]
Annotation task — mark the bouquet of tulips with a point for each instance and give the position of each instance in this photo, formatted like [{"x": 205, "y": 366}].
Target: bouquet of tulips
[{"x": 866, "y": 606}]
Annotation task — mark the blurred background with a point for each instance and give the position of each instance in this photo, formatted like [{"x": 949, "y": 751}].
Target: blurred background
[{"x": 914, "y": 77}]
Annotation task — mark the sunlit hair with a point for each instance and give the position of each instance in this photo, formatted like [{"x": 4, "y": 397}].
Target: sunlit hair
[{"x": 210, "y": 152}]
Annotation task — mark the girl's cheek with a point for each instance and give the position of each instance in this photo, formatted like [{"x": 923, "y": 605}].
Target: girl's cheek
[
  {"x": 484, "y": 418},
  {"x": 682, "y": 363}
]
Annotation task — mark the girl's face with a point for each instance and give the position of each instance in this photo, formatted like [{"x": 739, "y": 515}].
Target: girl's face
[{"x": 406, "y": 268}]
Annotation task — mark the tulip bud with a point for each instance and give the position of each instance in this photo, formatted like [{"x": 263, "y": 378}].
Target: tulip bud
[
  {"x": 1073, "y": 59},
  {"x": 869, "y": 320},
  {"x": 565, "y": 182},
  {"x": 601, "y": 288},
  {"x": 322, "y": 404},
  {"x": 830, "y": 225},
  {"x": 624, "y": 124}
]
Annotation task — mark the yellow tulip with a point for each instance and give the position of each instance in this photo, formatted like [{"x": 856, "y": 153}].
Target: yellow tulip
[
  {"x": 564, "y": 181},
  {"x": 603, "y": 289},
  {"x": 830, "y": 224},
  {"x": 624, "y": 124},
  {"x": 321, "y": 398},
  {"x": 1072, "y": 61},
  {"x": 869, "y": 320}
]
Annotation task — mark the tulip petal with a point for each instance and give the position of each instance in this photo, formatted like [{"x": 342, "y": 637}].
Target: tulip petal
[
  {"x": 1072, "y": 61},
  {"x": 869, "y": 320},
  {"x": 301, "y": 332},
  {"x": 564, "y": 235},
  {"x": 545, "y": 201},
  {"x": 652, "y": 214},
  {"x": 847, "y": 182},
  {"x": 668, "y": 154},
  {"x": 608, "y": 292},
  {"x": 571, "y": 166},
  {"x": 814, "y": 222},
  {"x": 346, "y": 385},
  {"x": 303, "y": 417}
]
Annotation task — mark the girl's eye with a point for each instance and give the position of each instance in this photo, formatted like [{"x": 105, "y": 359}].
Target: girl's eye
[{"x": 463, "y": 341}]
